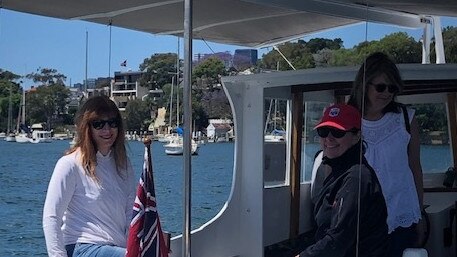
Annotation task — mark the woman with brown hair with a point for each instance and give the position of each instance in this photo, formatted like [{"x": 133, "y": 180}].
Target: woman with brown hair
[
  {"x": 391, "y": 133},
  {"x": 89, "y": 201}
]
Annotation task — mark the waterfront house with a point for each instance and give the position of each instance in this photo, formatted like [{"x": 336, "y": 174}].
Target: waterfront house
[{"x": 218, "y": 130}]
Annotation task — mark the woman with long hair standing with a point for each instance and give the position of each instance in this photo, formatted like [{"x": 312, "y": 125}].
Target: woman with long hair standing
[
  {"x": 391, "y": 133},
  {"x": 90, "y": 195}
]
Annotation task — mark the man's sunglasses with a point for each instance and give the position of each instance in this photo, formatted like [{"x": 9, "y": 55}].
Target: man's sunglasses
[
  {"x": 382, "y": 87},
  {"x": 336, "y": 133},
  {"x": 99, "y": 124}
]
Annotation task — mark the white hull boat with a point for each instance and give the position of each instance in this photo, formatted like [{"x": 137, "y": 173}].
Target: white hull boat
[
  {"x": 10, "y": 138},
  {"x": 41, "y": 136},
  {"x": 175, "y": 147},
  {"x": 23, "y": 138}
]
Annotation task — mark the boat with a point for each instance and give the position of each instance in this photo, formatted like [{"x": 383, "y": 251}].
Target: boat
[
  {"x": 9, "y": 135},
  {"x": 274, "y": 134},
  {"x": 41, "y": 136},
  {"x": 22, "y": 130},
  {"x": 175, "y": 146},
  {"x": 269, "y": 211},
  {"x": 23, "y": 138}
]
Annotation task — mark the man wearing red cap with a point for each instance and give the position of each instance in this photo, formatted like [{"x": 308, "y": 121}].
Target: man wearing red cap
[{"x": 349, "y": 208}]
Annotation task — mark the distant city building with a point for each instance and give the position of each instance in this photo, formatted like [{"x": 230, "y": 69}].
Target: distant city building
[
  {"x": 76, "y": 94},
  {"x": 226, "y": 57},
  {"x": 101, "y": 82},
  {"x": 244, "y": 58},
  {"x": 126, "y": 87},
  {"x": 78, "y": 86},
  {"x": 90, "y": 83}
]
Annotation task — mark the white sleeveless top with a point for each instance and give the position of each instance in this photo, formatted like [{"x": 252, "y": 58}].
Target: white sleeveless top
[{"x": 387, "y": 152}]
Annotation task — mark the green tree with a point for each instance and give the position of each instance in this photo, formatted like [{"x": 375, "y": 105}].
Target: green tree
[
  {"x": 137, "y": 116},
  {"x": 297, "y": 53},
  {"x": 344, "y": 57},
  {"x": 46, "y": 77},
  {"x": 317, "y": 44},
  {"x": 216, "y": 104},
  {"x": 450, "y": 44},
  {"x": 48, "y": 100},
  {"x": 207, "y": 74},
  {"x": 47, "y": 104},
  {"x": 159, "y": 70},
  {"x": 7, "y": 83},
  {"x": 399, "y": 46}
]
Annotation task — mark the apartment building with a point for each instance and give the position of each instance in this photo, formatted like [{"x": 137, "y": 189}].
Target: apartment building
[{"x": 126, "y": 87}]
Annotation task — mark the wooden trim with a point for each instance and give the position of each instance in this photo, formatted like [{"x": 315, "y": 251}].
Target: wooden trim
[{"x": 295, "y": 163}]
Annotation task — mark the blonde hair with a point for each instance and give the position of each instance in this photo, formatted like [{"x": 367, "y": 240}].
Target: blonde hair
[{"x": 93, "y": 109}]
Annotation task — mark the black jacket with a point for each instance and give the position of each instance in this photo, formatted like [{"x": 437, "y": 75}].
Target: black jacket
[{"x": 336, "y": 209}]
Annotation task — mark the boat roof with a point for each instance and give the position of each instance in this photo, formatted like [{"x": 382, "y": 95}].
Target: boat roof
[
  {"x": 252, "y": 23},
  {"x": 417, "y": 78}
]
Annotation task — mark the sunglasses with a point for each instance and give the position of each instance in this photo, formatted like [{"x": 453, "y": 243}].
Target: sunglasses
[
  {"x": 382, "y": 87},
  {"x": 336, "y": 133},
  {"x": 99, "y": 124}
]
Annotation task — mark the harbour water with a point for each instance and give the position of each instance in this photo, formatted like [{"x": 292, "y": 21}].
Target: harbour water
[{"x": 25, "y": 170}]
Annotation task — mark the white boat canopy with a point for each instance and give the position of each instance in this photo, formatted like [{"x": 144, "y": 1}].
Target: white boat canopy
[{"x": 252, "y": 23}]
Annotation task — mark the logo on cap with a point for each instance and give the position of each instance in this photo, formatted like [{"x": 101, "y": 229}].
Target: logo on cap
[{"x": 334, "y": 112}]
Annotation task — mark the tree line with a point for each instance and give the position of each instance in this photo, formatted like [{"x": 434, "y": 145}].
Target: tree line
[{"x": 48, "y": 100}]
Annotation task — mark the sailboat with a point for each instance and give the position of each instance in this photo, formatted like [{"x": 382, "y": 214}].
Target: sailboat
[
  {"x": 22, "y": 135},
  {"x": 175, "y": 147},
  {"x": 10, "y": 136},
  {"x": 274, "y": 135}
]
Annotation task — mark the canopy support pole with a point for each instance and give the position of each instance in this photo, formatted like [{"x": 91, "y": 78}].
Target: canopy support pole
[{"x": 187, "y": 107}]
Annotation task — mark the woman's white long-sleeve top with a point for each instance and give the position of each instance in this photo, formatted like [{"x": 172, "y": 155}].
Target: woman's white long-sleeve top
[{"x": 80, "y": 210}]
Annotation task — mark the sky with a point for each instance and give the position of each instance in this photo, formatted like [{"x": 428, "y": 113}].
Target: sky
[{"x": 30, "y": 42}]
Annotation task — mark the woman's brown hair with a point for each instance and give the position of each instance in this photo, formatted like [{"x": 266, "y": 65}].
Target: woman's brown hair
[
  {"x": 93, "y": 109},
  {"x": 377, "y": 64}
]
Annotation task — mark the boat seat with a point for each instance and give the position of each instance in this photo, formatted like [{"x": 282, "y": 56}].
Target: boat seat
[{"x": 415, "y": 252}]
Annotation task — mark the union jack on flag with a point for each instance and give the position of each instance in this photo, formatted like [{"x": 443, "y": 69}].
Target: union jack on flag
[{"x": 145, "y": 235}]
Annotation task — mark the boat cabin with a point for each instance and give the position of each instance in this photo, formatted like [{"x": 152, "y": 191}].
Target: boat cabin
[{"x": 269, "y": 212}]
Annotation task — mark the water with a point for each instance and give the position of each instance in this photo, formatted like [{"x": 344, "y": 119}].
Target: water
[{"x": 25, "y": 170}]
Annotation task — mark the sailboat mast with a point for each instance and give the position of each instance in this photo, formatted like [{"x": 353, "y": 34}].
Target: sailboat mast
[
  {"x": 171, "y": 100},
  {"x": 177, "y": 87},
  {"x": 23, "y": 106},
  {"x": 10, "y": 111},
  {"x": 21, "y": 114}
]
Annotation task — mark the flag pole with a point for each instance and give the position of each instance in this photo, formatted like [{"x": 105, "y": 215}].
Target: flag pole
[
  {"x": 146, "y": 237},
  {"x": 147, "y": 143}
]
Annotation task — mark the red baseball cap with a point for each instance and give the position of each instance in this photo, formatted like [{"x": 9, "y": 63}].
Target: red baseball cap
[{"x": 341, "y": 116}]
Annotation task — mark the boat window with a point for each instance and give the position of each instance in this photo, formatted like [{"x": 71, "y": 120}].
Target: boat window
[
  {"x": 275, "y": 141},
  {"x": 310, "y": 144},
  {"x": 436, "y": 154}
]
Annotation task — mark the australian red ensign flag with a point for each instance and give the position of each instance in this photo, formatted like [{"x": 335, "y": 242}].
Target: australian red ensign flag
[{"x": 145, "y": 234}]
